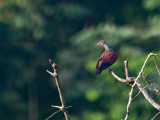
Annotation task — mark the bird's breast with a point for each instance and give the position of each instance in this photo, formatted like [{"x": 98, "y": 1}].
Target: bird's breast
[{"x": 109, "y": 57}]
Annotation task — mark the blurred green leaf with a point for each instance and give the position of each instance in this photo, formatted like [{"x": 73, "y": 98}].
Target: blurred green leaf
[{"x": 92, "y": 95}]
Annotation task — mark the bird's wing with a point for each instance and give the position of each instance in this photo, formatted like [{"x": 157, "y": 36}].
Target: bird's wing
[
  {"x": 99, "y": 62},
  {"x": 106, "y": 60},
  {"x": 109, "y": 57},
  {"x": 101, "y": 65}
]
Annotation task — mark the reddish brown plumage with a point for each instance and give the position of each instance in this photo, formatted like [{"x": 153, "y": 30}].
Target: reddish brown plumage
[{"x": 106, "y": 59}]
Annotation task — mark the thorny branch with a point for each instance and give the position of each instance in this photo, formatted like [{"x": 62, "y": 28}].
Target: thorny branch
[
  {"x": 135, "y": 81},
  {"x": 63, "y": 107}
]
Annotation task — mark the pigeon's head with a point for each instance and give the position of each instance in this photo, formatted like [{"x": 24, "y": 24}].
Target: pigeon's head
[{"x": 102, "y": 42}]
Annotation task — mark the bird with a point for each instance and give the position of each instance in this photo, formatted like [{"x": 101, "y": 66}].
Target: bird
[{"x": 107, "y": 58}]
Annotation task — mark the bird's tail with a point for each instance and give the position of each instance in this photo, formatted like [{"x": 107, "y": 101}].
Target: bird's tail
[{"x": 97, "y": 72}]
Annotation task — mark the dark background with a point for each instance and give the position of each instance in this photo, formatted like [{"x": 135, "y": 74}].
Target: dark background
[{"x": 67, "y": 31}]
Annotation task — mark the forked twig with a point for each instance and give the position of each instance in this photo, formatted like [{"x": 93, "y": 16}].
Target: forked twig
[
  {"x": 118, "y": 78},
  {"x": 131, "y": 91},
  {"x": 63, "y": 107}
]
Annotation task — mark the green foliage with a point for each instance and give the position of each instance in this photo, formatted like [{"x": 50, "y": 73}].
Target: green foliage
[
  {"x": 94, "y": 116},
  {"x": 90, "y": 66},
  {"x": 151, "y": 4},
  {"x": 67, "y": 32},
  {"x": 92, "y": 95}
]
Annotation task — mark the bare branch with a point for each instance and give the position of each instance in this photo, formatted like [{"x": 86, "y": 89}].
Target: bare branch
[
  {"x": 129, "y": 103},
  {"x": 139, "y": 93},
  {"x": 153, "y": 87},
  {"x": 155, "y": 115},
  {"x": 147, "y": 96},
  {"x": 60, "y": 107},
  {"x": 127, "y": 80},
  {"x": 52, "y": 114},
  {"x": 142, "y": 69},
  {"x": 138, "y": 83},
  {"x": 118, "y": 78},
  {"x": 55, "y": 75},
  {"x": 157, "y": 67},
  {"x": 144, "y": 92},
  {"x": 126, "y": 68}
]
